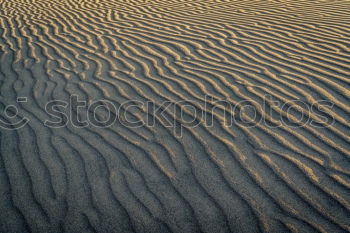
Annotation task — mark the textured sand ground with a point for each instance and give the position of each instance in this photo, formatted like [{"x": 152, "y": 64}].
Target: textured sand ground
[{"x": 147, "y": 179}]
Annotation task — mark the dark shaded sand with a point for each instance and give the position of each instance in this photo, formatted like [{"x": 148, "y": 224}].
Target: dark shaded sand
[{"x": 223, "y": 178}]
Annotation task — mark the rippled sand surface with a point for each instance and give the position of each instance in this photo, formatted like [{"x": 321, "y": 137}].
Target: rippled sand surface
[{"x": 281, "y": 175}]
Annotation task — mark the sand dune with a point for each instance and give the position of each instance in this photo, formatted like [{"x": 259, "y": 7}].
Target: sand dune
[{"x": 281, "y": 175}]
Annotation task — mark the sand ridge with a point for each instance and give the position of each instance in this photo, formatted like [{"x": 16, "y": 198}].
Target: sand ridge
[{"x": 147, "y": 179}]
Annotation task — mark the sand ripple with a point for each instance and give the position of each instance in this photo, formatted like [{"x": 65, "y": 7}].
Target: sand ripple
[{"x": 146, "y": 179}]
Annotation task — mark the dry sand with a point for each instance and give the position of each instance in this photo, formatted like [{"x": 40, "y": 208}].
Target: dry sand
[{"x": 148, "y": 179}]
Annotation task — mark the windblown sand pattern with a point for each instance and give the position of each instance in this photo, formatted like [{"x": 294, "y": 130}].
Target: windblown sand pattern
[{"x": 147, "y": 179}]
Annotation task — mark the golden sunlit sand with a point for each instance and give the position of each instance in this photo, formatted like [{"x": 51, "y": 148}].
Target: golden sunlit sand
[{"x": 289, "y": 61}]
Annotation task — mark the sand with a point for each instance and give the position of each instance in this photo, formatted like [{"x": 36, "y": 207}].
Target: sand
[{"x": 286, "y": 59}]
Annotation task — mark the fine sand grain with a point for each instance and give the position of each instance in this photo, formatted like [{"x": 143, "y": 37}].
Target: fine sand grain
[{"x": 281, "y": 175}]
